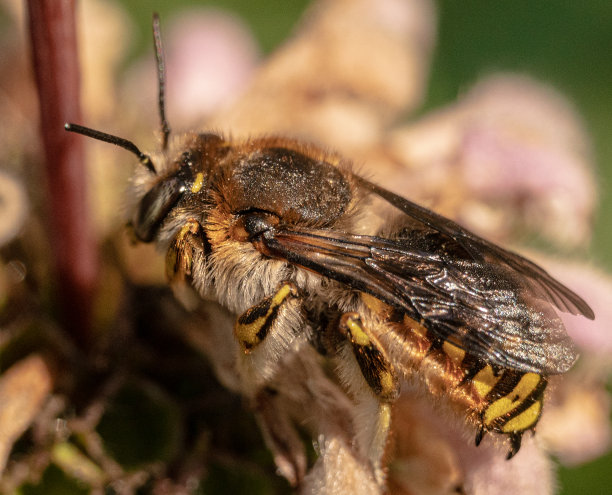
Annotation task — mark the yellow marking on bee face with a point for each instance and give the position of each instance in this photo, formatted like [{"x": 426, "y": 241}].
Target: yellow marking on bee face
[
  {"x": 524, "y": 420},
  {"x": 452, "y": 351},
  {"x": 500, "y": 407},
  {"x": 251, "y": 332},
  {"x": 485, "y": 380},
  {"x": 198, "y": 182},
  {"x": 358, "y": 336}
]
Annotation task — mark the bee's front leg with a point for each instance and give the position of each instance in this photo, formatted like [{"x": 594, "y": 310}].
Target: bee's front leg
[
  {"x": 372, "y": 380},
  {"x": 184, "y": 253}
]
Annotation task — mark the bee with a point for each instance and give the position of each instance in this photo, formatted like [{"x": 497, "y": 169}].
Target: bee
[{"x": 296, "y": 245}]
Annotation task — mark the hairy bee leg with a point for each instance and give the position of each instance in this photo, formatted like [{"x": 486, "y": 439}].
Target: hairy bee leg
[
  {"x": 301, "y": 393},
  {"x": 253, "y": 326},
  {"x": 266, "y": 333},
  {"x": 375, "y": 366},
  {"x": 374, "y": 400},
  {"x": 188, "y": 244}
]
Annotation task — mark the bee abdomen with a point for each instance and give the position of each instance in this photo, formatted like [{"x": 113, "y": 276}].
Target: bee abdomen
[
  {"x": 498, "y": 400},
  {"x": 515, "y": 402},
  {"x": 509, "y": 401}
]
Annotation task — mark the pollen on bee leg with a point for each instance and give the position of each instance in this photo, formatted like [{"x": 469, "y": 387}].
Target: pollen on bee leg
[{"x": 198, "y": 183}]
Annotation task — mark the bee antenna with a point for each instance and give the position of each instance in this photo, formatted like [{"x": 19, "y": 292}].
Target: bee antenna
[
  {"x": 117, "y": 141},
  {"x": 161, "y": 79}
]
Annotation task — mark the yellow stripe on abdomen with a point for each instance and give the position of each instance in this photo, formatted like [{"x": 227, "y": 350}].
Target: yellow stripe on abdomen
[
  {"x": 525, "y": 420},
  {"x": 501, "y": 408},
  {"x": 485, "y": 380},
  {"x": 456, "y": 354}
]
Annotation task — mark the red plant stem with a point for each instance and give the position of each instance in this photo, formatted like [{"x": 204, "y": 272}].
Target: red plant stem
[{"x": 74, "y": 248}]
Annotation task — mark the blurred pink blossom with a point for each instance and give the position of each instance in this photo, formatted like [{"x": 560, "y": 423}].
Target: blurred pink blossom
[
  {"x": 211, "y": 55},
  {"x": 511, "y": 153},
  {"x": 593, "y": 337}
]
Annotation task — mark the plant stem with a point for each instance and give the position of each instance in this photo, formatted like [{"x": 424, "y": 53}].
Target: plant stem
[{"x": 74, "y": 248}]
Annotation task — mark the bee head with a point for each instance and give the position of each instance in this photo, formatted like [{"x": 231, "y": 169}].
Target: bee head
[
  {"x": 158, "y": 194},
  {"x": 261, "y": 183},
  {"x": 166, "y": 184}
]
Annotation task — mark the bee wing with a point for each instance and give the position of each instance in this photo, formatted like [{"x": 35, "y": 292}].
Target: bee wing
[
  {"x": 493, "y": 303},
  {"x": 540, "y": 284},
  {"x": 483, "y": 308}
]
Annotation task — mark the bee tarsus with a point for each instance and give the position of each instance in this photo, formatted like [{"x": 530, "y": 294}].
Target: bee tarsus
[{"x": 480, "y": 435}]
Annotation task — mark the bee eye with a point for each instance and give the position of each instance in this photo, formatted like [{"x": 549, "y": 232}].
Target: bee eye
[
  {"x": 155, "y": 206},
  {"x": 251, "y": 224}
]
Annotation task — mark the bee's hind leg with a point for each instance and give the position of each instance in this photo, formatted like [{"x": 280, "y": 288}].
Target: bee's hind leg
[{"x": 367, "y": 371}]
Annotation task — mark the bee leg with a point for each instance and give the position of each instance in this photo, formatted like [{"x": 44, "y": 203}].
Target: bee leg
[
  {"x": 515, "y": 444},
  {"x": 280, "y": 435},
  {"x": 269, "y": 335},
  {"x": 189, "y": 244},
  {"x": 480, "y": 435},
  {"x": 253, "y": 326},
  {"x": 374, "y": 397},
  {"x": 266, "y": 333}
]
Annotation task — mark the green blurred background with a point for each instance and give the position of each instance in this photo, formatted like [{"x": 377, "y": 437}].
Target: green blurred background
[{"x": 567, "y": 44}]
